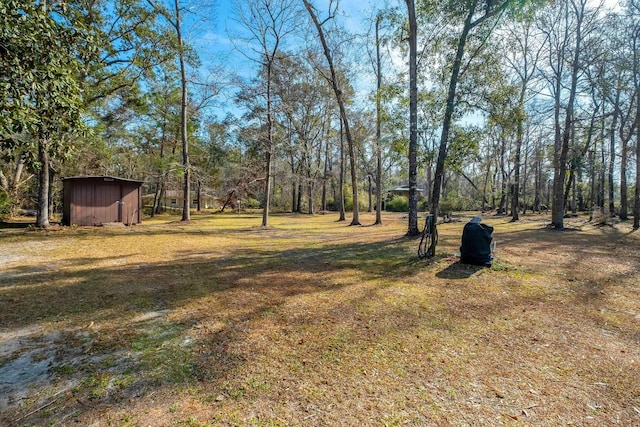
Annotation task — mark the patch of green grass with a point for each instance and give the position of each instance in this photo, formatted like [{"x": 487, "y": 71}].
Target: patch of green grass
[
  {"x": 193, "y": 422},
  {"x": 267, "y": 423},
  {"x": 163, "y": 354},
  {"x": 98, "y": 383},
  {"x": 64, "y": 370},
  {"x": 394, "y": 420},
  {"x": 502, "y": 265},
  {"x": 126, "y": 420},
  {"x": 124, "y": 381}
]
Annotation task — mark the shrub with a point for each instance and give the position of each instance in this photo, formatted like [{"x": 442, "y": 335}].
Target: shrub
[
  {"x": 251, "y": 203},
  {"x": 398, "y": 204},
  {"x": 334, "y": 205},
  {"x": 455, "y": 203},
  {"x": 5, "y": 206}
]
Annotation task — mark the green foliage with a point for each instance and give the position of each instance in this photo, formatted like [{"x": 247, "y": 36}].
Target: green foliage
[
  {"x": 463, "y": 146},
  {"x": 348, "y": 201},
  {"x": 398, "y": 204},
  {"x": 39, "y": 94},
  {"x": 456, "y": 203},
  {"x": 251, "y": 203},
  {"x": 5, "y": 206}
]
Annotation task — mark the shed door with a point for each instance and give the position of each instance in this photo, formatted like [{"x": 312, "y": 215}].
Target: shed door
[
  {"x": 107, "y": 203},
  {"x": 81, "y": 205}
]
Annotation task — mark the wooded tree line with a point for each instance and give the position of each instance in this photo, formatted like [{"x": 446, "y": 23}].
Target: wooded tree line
[{"x": 511, "y": 106}]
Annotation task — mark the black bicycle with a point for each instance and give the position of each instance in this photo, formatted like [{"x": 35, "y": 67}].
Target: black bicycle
[{"x": 429, "y": 238}]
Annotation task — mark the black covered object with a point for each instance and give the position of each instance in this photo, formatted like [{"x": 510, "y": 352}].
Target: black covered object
[{"x": 476, "y": 244}]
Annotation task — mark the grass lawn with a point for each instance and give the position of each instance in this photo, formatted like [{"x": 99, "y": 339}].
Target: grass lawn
[{"x": 311, "y": 322}]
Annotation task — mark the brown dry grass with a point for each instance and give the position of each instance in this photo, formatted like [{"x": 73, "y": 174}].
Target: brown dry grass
[{"x": 315, "y": 323}]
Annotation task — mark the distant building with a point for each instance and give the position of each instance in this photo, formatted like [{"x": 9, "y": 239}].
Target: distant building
[
  {"x": 97, "y": 200},
  {"x": 403, "y": 190}
]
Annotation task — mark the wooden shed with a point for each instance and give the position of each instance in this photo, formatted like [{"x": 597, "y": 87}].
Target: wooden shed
[{"x": 97, "y": 200}]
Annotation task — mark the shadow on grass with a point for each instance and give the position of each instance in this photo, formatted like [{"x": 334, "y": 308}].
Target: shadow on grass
[
  {"x": 458, "y": 270},
  {"x": 16, "y": 225},
  {"x": 251, "y": 283}
]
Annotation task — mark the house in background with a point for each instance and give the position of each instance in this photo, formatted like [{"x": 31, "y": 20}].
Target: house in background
[
  {"x": 97, "y": 200},
  {"x": 403, "y": 190}
]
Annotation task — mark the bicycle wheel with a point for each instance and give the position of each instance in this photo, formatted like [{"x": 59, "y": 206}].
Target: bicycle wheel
[{"x": 425, "y": 249}]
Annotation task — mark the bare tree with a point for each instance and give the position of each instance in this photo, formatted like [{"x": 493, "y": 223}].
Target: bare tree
[
  {"x": 339, "y": 93},
  {"x": 633, "y": 13},
  {"x": 267, "y": 23},
  {"x": 576, "y": 24},
  {"x": 523, "y": 60}
]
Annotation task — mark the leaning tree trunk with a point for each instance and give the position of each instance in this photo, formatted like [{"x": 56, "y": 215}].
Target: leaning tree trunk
[
  {"x": 343, "y": 113},
  {"x": 446, "y": 123}
]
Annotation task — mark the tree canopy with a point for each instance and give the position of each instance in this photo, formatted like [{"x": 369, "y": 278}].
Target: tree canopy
[{"x": 506, "y": 106}]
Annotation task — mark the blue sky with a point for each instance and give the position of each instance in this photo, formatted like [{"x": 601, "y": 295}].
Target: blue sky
[{"x": 208, "y": 31}]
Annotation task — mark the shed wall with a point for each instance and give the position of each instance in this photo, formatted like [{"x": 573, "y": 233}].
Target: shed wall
[{"x": 96, "y": 201}]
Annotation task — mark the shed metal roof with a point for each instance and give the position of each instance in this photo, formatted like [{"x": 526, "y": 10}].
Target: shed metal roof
[{"x": 103, "y": 177}]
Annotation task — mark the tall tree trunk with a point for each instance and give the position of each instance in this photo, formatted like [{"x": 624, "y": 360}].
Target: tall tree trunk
[
  {"x": 636, "y": 84},
  {"x": 525, "y": 180},
  {"x": 504, "y": 179},
  {"x": 370, "y": 194},
  {"x": 636, "y": 205},
  {"x": 342, "y": 174},
  {"x": 602, "y": 174},
  {"x": 325, "y": 174},
  {"x": 612, "y": 152},
  {"x": 157, "y": 197},
  {"x": 378, "y": 126},
  {"x": 199, "y": 195},
  {"x": 269, "y": 148},
  {"x": 557, "y": 212},
  {"x": 310, "y": 193},
  {"x": 624, "y": 195},
  {"x": 484, "y": 187},
  {"x": 413, "y": 121},
  {"x": 42, "y": 219},
  {"x": 343, "y": 113},
  {"x": 293, "y": 184},
  {"x": 515, "y": 202},
  {"x": 186, "y": 186},
  {"x": 469, "y": 24},
  {"x": 537, "y": 191},
  {"x": 446, "y": 123}
]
